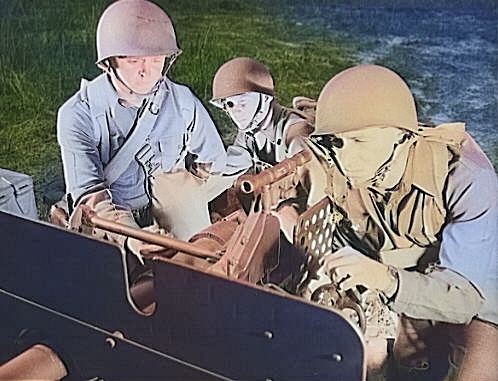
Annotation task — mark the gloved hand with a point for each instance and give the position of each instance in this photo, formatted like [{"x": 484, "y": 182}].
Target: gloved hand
[
  {"x": 140, "y": 248},
  {"x": 101, "y": 203},
  {"x": 349, "y": 268}
]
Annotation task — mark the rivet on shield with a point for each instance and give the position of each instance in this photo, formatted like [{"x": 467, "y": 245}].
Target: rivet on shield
[{"x": 337, "y": 357}]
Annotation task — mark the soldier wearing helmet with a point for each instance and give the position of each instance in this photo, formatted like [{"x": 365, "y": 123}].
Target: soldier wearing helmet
[
  {"x": 244, "y": 88},
  {"x": 267, "y": 131},
  {"x": 420, "y": 210},
  {"x": 131, "y": 136}
]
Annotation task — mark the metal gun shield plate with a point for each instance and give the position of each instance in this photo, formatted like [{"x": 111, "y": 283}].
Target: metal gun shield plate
[{"x": 70, "y": 292}]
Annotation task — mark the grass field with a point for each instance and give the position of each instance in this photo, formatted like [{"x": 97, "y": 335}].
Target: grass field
[{"x": 47, "y": 46}]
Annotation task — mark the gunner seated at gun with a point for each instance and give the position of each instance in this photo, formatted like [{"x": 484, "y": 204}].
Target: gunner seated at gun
[{"x": 267, "y": 132}]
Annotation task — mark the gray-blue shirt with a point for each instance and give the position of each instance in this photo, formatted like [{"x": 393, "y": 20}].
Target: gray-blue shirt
[{"x": 88, "y": 140}]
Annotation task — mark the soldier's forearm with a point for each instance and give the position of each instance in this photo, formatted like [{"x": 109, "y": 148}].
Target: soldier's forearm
[{"x": 442, "y": 295}]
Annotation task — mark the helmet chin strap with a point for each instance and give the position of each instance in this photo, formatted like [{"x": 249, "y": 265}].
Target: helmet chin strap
[
  {"x": 109, "y": 69},
  {"x": 169, "y": 60},
  {"x": 116, "y": 75},
  {"x": 384, "y": 169},
  {"x": 261, "y": 113},
  {"x": 378, "y": 180}
]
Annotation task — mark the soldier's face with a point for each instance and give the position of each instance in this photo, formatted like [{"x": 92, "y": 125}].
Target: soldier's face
[
  {"x": 140, "y": 74},
  {"x": 242, "y": 108},
  {"x": 364, "y": 152}
]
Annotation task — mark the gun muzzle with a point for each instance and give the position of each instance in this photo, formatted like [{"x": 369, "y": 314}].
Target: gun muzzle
[
  {"x": 36, "y": 363},
  {"x": 257, "y": 183}
]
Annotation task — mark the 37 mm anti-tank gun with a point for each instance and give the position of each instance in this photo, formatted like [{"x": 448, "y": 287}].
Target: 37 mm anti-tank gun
[
  {"x": 313, "y": 231},
  {"x": 246, "y": 246},
  {"x": 72, "y": 296},
  {"x": 241, "y": 245}
]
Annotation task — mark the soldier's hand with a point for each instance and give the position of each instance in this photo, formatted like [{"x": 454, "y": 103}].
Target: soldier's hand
[
  {"x": 349, "y": 268},
  {"x": 143, "y": 249}
]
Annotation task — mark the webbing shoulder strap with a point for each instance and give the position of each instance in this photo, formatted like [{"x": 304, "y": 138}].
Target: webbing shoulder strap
[{"x": 145, "y": 121}]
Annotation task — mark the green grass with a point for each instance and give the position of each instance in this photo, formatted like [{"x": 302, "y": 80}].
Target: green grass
[{"x": 47, "y": 46}]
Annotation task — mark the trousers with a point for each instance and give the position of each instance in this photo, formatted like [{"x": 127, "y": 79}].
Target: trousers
[{"x": 442, "y": 351}]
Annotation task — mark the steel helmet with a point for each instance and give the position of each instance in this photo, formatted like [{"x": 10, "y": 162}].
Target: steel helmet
[
  {"x": 241, "y": 75},
  {"x": 365, "y": 96},
  {"x": 135, "y": 28}
]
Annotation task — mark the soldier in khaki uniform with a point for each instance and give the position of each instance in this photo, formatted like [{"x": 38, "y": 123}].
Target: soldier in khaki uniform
[
  {"x": 244, "y": 88},
  {"x": 267, "y": 132},
  {"x": 421, "y": 223}
]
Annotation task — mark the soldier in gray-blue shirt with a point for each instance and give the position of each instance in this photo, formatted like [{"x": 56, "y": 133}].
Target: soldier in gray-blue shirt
[{"x": 131, "y": 136}]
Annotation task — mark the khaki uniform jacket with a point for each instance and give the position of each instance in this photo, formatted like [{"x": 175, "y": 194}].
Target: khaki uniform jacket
[
  {"x": 441, "y": 221},
  {"x": 284, "y": 127}
]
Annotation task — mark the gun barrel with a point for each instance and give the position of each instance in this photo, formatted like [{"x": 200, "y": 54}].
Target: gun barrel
[
  {"x": 257, "y": 183},
  {"x": 39, "y": 362},
  {"x": 171, "y": 243}
]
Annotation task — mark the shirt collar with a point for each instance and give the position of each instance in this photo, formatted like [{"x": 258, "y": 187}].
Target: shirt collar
[
  {"x": 424, "y": 168},
  {"x": 427, "y": 166},
  {"x": 111, "y": 95}
]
